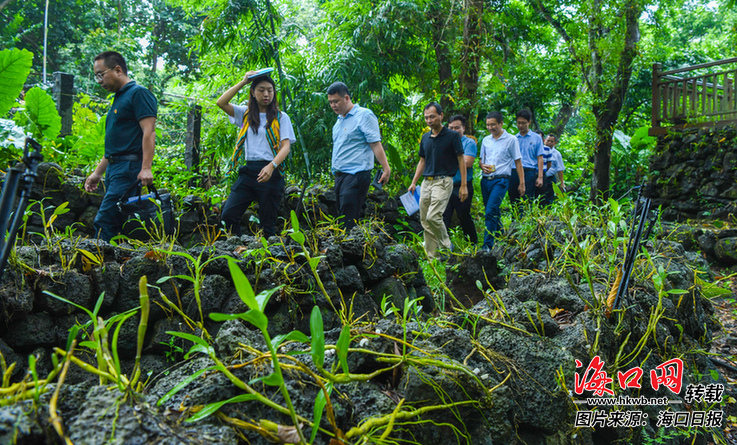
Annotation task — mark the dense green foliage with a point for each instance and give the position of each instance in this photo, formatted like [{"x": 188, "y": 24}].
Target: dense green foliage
[{"x": 559, "y": 59}]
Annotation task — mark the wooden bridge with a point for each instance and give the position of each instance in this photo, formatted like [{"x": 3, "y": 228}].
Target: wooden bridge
[{"x": 695, "y": 96}]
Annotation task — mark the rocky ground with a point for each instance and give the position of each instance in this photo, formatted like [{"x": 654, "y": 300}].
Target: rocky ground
[
  {"x": 725, "y": 344},
  {"x": 498, "y": 366}
]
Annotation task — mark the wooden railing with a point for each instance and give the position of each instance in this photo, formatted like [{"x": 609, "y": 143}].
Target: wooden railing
[{"x": 695, "y": 96}]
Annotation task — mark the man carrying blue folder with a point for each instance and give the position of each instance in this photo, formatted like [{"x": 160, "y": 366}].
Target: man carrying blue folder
[{"x": 441, "y": 156}]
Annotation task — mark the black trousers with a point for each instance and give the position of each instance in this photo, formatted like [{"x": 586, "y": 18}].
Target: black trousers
[
  {"x": 549, "y": 195},
  {"x": 530, "y": 176},
  {"x": 350, "y": 193},
  {"x": 463, "y": 210},
  {"x": 246, "y": 190}
]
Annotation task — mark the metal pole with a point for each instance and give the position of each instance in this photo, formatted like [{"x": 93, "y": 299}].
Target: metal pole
[{"x": 46, "y": 37}]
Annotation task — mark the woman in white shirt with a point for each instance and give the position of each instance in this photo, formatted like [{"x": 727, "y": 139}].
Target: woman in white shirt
[{"x": 263, "y": 144}]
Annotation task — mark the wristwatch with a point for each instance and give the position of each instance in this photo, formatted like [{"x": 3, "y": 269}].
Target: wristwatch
[{"x": 274, "y": 164}]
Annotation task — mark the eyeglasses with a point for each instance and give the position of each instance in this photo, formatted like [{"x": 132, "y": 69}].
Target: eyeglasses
[{"x": 98, "y": 76}]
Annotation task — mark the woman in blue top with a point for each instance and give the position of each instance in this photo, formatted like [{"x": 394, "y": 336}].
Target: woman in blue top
[{"x": 263, "y": 144}]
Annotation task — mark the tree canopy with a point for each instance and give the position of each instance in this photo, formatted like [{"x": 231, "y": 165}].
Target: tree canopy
[{"x": 582, "y": 68}]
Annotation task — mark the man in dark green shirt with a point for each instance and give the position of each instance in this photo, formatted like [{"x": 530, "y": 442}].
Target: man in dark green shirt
[{"x": 130, "y": 137}]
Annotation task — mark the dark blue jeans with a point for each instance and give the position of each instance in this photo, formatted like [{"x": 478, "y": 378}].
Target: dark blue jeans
[
  {"x": 119, "y": 177},
  {"x": 530, "y": 176},
  {"x": 350, "y": 195},
  {"x": 246, "y": 190},
  {"x": 493, "y": 191}
]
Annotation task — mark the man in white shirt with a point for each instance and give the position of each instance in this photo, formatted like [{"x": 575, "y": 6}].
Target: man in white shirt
[{"x": 499, "y": 152}]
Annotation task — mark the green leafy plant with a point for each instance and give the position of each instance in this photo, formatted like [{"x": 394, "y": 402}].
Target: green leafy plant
[
  {"x": 105, "y": 348},
  {"x": 313, "y": 261},
  {"x": 42, "y": 115},
  {"x": 15, "y": 65},
  {"x": 196, "y": 268},
  {"x": 256, "y": 317}
]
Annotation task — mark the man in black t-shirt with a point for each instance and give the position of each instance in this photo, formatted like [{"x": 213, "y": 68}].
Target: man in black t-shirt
[
  {"x": 441, "y": 156},
  {"x": 130, "y": 136}
]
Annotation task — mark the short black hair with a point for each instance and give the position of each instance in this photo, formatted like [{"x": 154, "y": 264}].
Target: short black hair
[
  {"x": 111, "y": 59},
  {"x": 551, "y": 134},
  {"x": 437, "y": 106},
  {"x": 495, "y": 115},
  {"x": 339, "y": 88},
  {"x": 525, "y": 114},
  {"x": 458, "y": 117}
]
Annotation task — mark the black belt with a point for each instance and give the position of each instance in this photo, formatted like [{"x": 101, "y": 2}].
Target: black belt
[
  {"x": 339, "y": 174},
  {"x": 122, "y": 158},
  {"x": 430, "y": 178},
  {"x": 489, "y": 178},
  {"x": 529, "y": 169}
]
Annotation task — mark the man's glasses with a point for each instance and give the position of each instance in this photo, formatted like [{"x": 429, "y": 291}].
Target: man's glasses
[{"x": 98, "y": 76}]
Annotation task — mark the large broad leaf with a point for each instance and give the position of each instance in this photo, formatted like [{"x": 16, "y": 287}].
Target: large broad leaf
[
  {"x": 15, "y": 65},
  {"x": 91, "y": 144},
  {"x": 42, "y": 111},
  {"x": 642, "y": 140}
]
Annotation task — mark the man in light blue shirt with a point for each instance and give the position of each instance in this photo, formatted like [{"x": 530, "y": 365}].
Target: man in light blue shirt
[
  {"x": 531, "y": 147},
  {"x": 547, "y": 158},
  {"x": 499, "y": 154},
  {"x": 356, "y": 141},
  {"x": 555, "y": 171}
]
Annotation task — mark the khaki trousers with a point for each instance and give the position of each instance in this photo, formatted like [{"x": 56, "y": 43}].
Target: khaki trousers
[{"x": 434, "y": 195}]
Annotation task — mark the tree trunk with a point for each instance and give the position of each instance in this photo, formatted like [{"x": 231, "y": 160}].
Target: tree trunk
[
  {"x": 607, "y": 108},
  {"x": 155, "y": 36},
  {"x": 471, "y": 60},
  {"x": 442, "y": 57},
  {"x": 120, "y": 17},
  {"x": 600, "y": 181},
  {"x": 561, "y": 120},
  {"x": 607, "y": 104}
]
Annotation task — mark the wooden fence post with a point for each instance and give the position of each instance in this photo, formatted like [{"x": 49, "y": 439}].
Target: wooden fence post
[
  {"x": 63, "y": 93},
  {"x": 656, "y": 96},
  {"x": 192, "y": 141}
]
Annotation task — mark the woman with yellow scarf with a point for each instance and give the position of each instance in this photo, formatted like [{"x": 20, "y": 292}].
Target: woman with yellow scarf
[{"x": 263, "y": 144}]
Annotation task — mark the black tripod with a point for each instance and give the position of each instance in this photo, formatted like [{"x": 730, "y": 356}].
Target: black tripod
[
  {"x": 18, "y": 183},
  {"x": 637, "y": 230}
]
